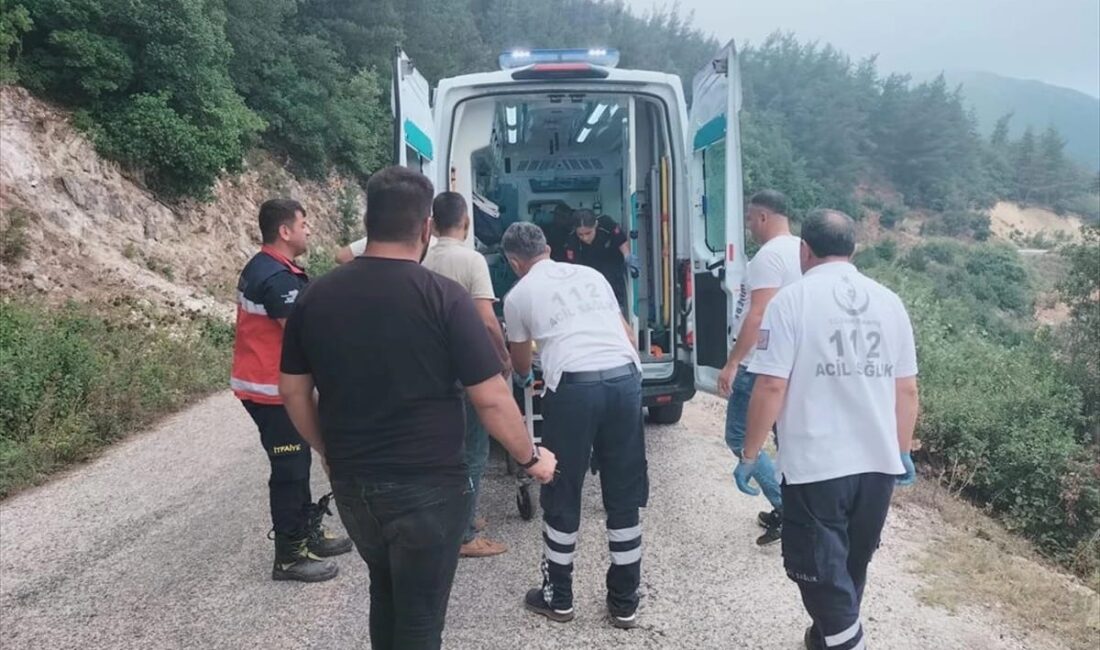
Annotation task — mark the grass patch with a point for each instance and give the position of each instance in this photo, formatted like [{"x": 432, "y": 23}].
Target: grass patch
[
  {"x": 978, "y": 562},
  {"x": 78, "y": 377}
]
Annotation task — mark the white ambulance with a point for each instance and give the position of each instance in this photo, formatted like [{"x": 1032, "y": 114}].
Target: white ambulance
[{"x": 555, "y": 129}]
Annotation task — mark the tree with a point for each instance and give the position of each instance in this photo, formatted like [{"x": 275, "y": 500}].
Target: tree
[
  {"x": 14, "y": 21},
  {"x": 1081, "y": 291},
  {"x": 150, "y": 77}
]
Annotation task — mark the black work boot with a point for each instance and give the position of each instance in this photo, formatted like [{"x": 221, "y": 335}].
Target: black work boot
[
  {"x": 535, "y": 602},
  {"x": 322, "y": 543},
  {"x": 293, "y": 561}
]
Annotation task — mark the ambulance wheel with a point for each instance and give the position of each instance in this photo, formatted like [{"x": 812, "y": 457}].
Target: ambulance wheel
[
  {"x": 523, "y": 503},
  {"x": 667, "y": 414}
]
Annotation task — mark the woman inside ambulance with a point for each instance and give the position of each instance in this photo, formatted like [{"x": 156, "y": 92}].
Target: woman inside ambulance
[{"x": 600, "y": 243}]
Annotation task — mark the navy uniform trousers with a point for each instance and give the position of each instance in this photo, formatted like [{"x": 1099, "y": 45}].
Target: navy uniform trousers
[
  {"x": 830, "y": 531},
  {"x": 595, "y": 415}
]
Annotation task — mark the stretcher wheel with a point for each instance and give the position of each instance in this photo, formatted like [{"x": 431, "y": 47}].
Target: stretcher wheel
[{"x": 523, "y": 503}]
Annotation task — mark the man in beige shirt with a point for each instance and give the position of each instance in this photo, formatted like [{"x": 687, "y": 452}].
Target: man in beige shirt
[{"x": 452, "y": 258}]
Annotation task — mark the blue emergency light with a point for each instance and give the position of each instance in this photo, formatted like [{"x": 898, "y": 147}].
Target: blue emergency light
[{"x": 600, "y": 56}]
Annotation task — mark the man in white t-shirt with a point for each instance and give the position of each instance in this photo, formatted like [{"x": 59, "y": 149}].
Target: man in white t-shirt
[
  {"x": 837, "y": 367},
  {"x": 453, "y": 259},
  {"x": 773, "y": 267},
  {"x": 592, "y": 407}
]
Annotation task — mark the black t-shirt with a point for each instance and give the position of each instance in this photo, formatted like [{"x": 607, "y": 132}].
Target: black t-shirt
[
  {"x": 388, "y": 343},
  {"x": 603, "y": 254}
]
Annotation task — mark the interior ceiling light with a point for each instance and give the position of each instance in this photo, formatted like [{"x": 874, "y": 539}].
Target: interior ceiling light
[
  {"x": 513, "y": 136},
  {"x": 583, "y": 135},
  {"x": 510, "y": 116},
  {"x": 597, "y": 113}
]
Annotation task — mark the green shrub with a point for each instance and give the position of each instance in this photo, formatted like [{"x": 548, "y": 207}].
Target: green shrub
[
  {"x": 13, "y": 235},
  {"x": 956, "y": 223},
  {"x": 1001, "y": 420},
  {"x": 75, "y": 378}
]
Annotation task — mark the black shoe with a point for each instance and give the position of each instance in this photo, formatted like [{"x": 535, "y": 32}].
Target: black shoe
[
  {"x": 770, "y": 536},
  {"x": 809, "y": 639},
  {"x": 322, "y": 543},
  {"x": 623, "y": 621},
  {"x": 294, "y": 561},
  {"x": 771, "y": 519},
  {"x": 534, "y": 602}
]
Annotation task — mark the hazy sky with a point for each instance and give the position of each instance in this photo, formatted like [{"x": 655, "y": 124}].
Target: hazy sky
[{"x": 1056, "y": 41}]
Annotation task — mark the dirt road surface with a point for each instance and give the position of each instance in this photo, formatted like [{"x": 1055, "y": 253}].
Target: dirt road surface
[{"x": 160, "y": 543}]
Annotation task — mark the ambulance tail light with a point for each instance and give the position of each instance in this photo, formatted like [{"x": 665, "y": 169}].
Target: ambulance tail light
[{"x": 663, "y": 399}]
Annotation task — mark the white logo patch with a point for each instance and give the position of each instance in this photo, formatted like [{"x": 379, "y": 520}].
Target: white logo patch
[{"x": 290, "y": 296}]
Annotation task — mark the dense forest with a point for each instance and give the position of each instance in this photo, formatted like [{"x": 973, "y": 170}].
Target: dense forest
[{"x": 179, "y": 90}]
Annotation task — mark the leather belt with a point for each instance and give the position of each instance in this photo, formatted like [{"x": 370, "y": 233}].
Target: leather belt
[{"x": 594, "y": 376}]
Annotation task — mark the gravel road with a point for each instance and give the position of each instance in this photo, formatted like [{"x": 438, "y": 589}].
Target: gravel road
[{"x": 160, "y": 543}]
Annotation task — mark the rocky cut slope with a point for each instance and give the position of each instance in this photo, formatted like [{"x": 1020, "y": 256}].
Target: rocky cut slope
[{"x": 76, "y": 226}]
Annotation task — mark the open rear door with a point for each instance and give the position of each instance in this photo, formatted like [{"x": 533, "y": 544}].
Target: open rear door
[
  {"x": 717, "y": 220},
  {"x": 413, "y": 126}
]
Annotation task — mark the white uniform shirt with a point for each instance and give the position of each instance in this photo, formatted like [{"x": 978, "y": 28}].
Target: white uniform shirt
[
  {"x": 572, "y": 315},
  {"x": 841, "y": 340},
  {"x": 774, "y": 266}
]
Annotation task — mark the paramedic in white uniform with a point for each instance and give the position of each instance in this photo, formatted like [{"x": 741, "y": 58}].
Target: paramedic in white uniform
[
  {"x": 837, "y": 366},
  {"x": 592, "y": 407}
]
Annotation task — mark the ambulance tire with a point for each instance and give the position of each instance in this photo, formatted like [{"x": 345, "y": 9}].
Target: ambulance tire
[
  {"x": 667, "y": 414},
  {"x": 523, "y": 503}
]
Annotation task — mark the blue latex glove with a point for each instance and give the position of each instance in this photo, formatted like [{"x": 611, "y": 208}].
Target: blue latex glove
[
  {"x": 743, "y": 472},
  {"x": 521, "y": 381},
  {"x": 910, "y": 476},
  {"x": 633, "y": 265}
]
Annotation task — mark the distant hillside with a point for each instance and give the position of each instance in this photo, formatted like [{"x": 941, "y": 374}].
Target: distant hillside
[{"x": 1075, "y": 114}]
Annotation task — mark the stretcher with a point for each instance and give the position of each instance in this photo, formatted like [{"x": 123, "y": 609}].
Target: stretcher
[{"x": 529, "y": 400}]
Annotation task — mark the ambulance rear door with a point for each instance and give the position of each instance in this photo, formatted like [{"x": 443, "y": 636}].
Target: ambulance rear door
[
  {"x": 414, "y": 141},
  {"x": 717, "y": 213}
]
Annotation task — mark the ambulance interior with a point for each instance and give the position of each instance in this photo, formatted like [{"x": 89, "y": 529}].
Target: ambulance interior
[{"x": 528, "y": 157}]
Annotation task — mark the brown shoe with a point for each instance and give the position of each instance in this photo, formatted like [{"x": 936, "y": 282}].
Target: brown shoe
[
  {"x": 481, "y": 547},
  {"x": 480, "y": 524}
]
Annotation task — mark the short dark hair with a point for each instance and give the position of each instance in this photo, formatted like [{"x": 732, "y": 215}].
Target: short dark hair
[
  {"x": 829, "y": 233},
  {"x": 773, "y": 200},
  {"x": 275, "y": 213},
  {"x": 448, "y": 209},
  {"x": 586, "y": 218},
  {"x": 399, "y": 201}
]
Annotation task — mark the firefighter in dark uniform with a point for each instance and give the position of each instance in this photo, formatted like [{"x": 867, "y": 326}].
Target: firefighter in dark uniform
[
  {"x": 600, "y": 243},
  {"x": 266, "y": 291}
]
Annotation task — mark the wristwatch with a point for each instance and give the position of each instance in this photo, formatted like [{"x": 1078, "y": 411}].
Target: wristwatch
[{"x": 534, "y": 459}]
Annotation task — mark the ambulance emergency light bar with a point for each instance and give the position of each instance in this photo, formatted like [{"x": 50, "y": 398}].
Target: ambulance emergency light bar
[{"x": 600, "y": 56}]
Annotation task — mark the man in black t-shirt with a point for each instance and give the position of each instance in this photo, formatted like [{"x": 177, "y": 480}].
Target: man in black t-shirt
[{"x": 387, "y": 343}]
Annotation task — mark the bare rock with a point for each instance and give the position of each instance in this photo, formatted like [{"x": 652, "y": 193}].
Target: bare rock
[{"x": 75, "y": 191}]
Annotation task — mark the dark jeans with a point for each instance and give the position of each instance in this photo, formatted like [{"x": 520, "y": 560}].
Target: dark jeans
[
  {"x": 288, "y": 484},
  {"x": 830, "y": 531},
  {"x": 408, "y": 534},
  {"x": 477, "y": 457},
  {"x": 601, "y": 419}
]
